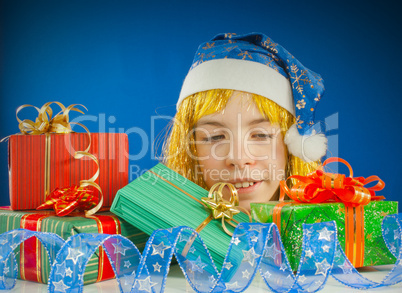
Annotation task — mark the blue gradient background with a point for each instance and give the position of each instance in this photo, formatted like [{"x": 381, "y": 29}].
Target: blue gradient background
[{"x": 125, "y": 61}]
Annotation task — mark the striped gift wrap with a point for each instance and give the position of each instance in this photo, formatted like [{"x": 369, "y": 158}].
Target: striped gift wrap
[
  {"x": 33, "y": 264},
  {"x": 40, "y": 163}
]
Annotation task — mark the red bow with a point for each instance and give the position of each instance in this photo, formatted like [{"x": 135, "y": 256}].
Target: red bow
[
  {"x": 320, "y": 186},
  {"x": 65, "y": 200}
]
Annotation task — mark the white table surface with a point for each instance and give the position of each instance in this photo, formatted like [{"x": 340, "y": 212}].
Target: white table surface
[{"x": 177, "y": 283}]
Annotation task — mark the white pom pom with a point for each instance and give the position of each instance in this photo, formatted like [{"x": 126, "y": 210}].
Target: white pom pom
[{"x": 309, "y": 148}]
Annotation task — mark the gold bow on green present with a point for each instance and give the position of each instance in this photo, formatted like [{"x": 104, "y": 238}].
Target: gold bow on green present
[{"x": 221, "y": 208}]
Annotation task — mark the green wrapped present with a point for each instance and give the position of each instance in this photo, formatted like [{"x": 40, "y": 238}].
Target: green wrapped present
[
  {"x": 161, "y": 199},
  {"x": 359, "y": 228},
  {"x": 32, "y": 258}
]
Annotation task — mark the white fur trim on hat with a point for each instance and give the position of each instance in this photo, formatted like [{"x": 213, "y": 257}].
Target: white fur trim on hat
[
  {"x": 241, "y": 75},
  {"x": 309, "y": 148}
]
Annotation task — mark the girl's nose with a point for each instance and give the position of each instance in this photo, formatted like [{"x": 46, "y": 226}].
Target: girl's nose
[{"x": 239, "y": 156}]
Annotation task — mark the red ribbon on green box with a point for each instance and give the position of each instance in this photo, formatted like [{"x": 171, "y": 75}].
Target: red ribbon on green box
[
  {"x": 324, "y": 187},
  {"x": 30, "y": 250}
]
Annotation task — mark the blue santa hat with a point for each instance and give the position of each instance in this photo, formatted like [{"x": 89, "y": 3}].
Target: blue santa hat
[{"x": 256, "y": 64}]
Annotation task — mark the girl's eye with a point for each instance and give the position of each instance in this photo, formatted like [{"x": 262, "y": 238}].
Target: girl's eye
[
  {"x": 262, "y": 135},
  {"x": 214, "y": 138}
]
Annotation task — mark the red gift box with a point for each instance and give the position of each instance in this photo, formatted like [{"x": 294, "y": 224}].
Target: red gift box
[{"x": 40, "y": 163}]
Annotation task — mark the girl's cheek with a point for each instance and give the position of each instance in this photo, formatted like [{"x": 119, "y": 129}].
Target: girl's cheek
[
  {"x": 214, "y": 152},
  {"x": 261, "y": 152},
  {"x": 221, "y": 151}
]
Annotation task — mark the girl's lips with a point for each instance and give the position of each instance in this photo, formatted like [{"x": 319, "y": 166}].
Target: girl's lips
[{"x": 249, "y": 189}]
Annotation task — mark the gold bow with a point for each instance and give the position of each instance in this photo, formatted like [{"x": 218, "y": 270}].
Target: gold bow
[
  {"x": 45, "y": 122},
  {"x": 221, "y": 208}
]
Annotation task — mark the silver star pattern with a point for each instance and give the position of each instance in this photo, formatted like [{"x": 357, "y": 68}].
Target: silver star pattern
[
  {"x": 254, "y": 239},
  {"x": 282, "y": 267},
  {"x": 74, "y": 254},
  {"x": 255, "y": 228},
  {"x": 396, "y": 234},
  {"x": 14, "y": 232},
  {"x": 302, "y": 278},
  {"x": 6, "y": 270},
  {"x": 157, "y": 267},
  {"x": 232, "y": 285},
  {"x": 197, "y": 265},
  {"x": 227, "y": 265},
  {"x": 325, "y": 234},
  {"x": 60, "y": 286},
  {"x": 267, "y": 275},
  {"x": 159, "y": 249},
  {"x": 119, "y": 247},
  {"x": 308, "y": 253},
  {"x": 61, "y": 269},
  {"x": 146, "y": 284},
  {"x": 325, "y": 248},
  {"x": 346, "y": 268},
  {"x": 392, "y": 248},
  {"x": 322, "y": 267},
  {"x": 236, "y": 241},
  {"x": 129, "y": 279},
  {"x": 183, "y": 238},
  {"x": 250, "y": 256},
  {"x": 318, "y": 283},
  {"x": 308, "y": 233},
  {"x": 69, "y": 272},
  {"x": 271, "y": 251}
]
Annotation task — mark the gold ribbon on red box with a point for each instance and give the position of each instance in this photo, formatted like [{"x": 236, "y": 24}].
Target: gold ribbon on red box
[
  {"x": 72, "y": 197},
  {"x": 325, "y": 187}
]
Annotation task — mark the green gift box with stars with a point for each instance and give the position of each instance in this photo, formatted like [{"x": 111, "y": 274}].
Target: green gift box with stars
[
  {"x": 359, "y": 228},
  {"x": 32, "y": 259}
]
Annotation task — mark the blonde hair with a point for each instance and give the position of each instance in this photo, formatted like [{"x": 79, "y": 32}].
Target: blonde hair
[{"x": 179, "y": 151}]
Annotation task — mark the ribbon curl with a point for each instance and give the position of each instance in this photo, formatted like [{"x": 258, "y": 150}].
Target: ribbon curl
[
  {"x": 320, "y": 186},
  {"x": 47, "y": 123}
]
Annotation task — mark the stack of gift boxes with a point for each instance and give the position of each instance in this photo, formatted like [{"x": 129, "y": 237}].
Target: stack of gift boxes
[
  {"x": 42, "y": 163},
  {"x": 39, "y": 164}
]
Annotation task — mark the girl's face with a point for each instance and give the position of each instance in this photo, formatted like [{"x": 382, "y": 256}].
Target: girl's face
[{"x": 238, "y": 145}]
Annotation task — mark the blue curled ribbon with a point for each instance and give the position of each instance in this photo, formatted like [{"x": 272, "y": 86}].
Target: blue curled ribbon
[
  {"x": 10, "y": 240},
  {"x": 254, "y": 247}
]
